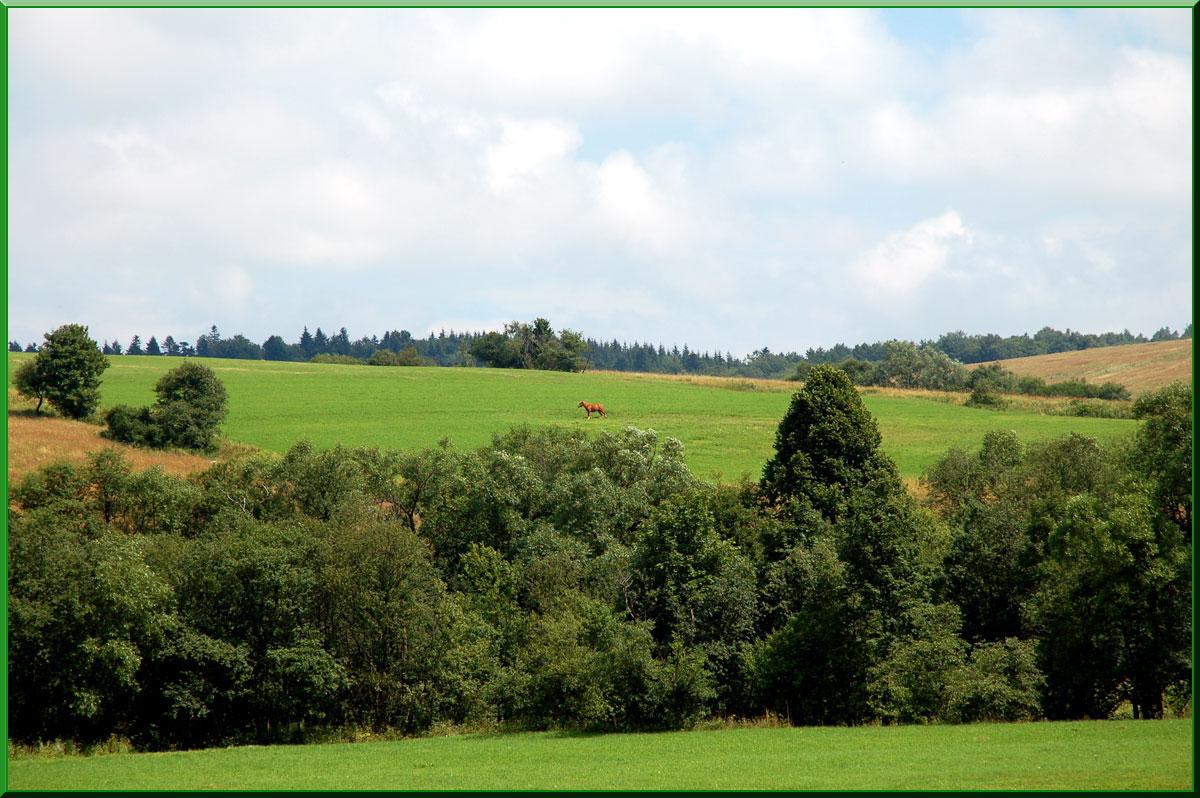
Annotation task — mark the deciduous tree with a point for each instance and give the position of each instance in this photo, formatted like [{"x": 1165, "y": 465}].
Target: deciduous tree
[{"x": 66, "y": 372}]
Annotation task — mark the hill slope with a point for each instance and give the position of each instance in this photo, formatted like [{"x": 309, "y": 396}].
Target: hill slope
[
  {"x": 34, "y": 442},
  {"x": 727, "y": 426},
  {"x": 1139, "y": 367}
]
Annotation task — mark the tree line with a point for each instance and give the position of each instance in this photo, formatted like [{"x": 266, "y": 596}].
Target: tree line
[
  {"x": 572, "y": 351},
  {"x": 559, "y": 580},
  {"x": 966, "y": 348}
]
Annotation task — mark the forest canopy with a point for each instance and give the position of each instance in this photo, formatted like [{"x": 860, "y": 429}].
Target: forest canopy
[{"x": 558, "y": 580}]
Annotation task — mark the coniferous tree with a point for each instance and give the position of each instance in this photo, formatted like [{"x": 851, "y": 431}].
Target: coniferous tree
[
  {"x": 320, "y": 343},
  {"x": 826, "y": 444},
  {"x": 152, "y": 347},
  {"x": 307, "y": 347}
]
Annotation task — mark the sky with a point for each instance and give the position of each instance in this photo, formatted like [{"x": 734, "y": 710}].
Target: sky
[{"x": 728, "y": 179}]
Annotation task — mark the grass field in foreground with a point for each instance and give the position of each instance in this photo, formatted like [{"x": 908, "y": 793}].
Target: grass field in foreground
[
  {"x": 727, "y": 426},
  {"x": 1077, "y": 755}
]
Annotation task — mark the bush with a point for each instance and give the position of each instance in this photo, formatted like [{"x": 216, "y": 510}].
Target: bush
[
  {"x": 342, "y": 360},
  {"x": 405, "y": 357},
  {"x": 993, "y": 377},
  {"x": 1094, "y": 409},
  {"x": 1031, "y": 386},
  {"x": 191, "y": 405},
  {"x": 133, "y": 425},
  {"x": 984, "y": 396},
  {"x": 1001, "y": 682},
  {"x": 1082, "y": 389}
]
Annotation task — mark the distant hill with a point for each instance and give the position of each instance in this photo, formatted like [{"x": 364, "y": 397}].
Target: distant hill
[{"x": 1139, "y": 367}]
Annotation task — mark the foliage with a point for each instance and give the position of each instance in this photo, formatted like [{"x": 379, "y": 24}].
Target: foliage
[
  {"x": 905, "y": 365},
  {"x": 1164, "y": 451},
  {"x": 344, "y": 360},
  {"x": 1081, "y": 557},
  {"x": 826, "y": 444},
  {"x": 407, "y": 356},
  {"x": 985, "y": 396},
  {"x": 191, "y": 405},
  {"x": 66, "y": 372},
  {"x": 134, "y": 425},
  {"x": 999, "y": 682},
  {"x": 531, "y": 346},
  {"x": 560, "y": 579}
]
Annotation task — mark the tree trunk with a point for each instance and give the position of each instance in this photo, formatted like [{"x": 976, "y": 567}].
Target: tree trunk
[{"x": 1147, "y": 702}]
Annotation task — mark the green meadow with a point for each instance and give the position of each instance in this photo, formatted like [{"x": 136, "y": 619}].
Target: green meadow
[
  {"x": 727, "y": 427},
  {"x": 1085, "y": 755}
]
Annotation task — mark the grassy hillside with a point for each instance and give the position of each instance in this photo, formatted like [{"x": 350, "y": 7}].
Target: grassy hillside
[
  {"x": 1139, "y": 367},
  {"x": 1120, "y": 755},
  {"x": 36, "y": 442},
  {"x": 727, "y": 426}
]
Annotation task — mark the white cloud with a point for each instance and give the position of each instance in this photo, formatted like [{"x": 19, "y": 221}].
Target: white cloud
[
  {"x": 1067, "y": 117},
  {"x": 906, "y": 260},
  {"x": 646, "y": 167},
  {"x": 525, "y": 149},
  {"x": 636, "y": 209}
]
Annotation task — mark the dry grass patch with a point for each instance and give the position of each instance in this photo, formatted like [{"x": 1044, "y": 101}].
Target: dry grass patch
[
  {"x": 1139, "y": 367},
  {"x": 38, "y": 441}
]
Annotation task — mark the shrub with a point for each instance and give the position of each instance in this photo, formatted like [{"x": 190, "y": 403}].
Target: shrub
[
  {"x": 993, "y": 377},
  {"x": 1082, "y": 389},
  {"x": 1001, "y": 682},
  {"x": 133, "y": 425},
  {"x": 1031, "y": 386},
  {"x": 1094, "y": 409},
  {"x": 191, "y": 405},
  {"x": 342, "y": 360},
  {"x": 984, "y": 396}
]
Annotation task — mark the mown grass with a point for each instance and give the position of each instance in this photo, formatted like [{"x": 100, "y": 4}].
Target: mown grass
[
  {"x": 1139, "y": 367},
  {"x": 727, "y": 429},
  {"x": 1146, "y": 755}
]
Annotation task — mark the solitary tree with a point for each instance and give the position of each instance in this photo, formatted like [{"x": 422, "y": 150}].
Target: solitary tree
[
  {"x": 66, "y": 372},
  {"x": 191, "y": 404}
]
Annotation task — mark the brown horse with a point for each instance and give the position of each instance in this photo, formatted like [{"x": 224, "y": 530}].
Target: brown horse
[{"x": 591, "y": 408}]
